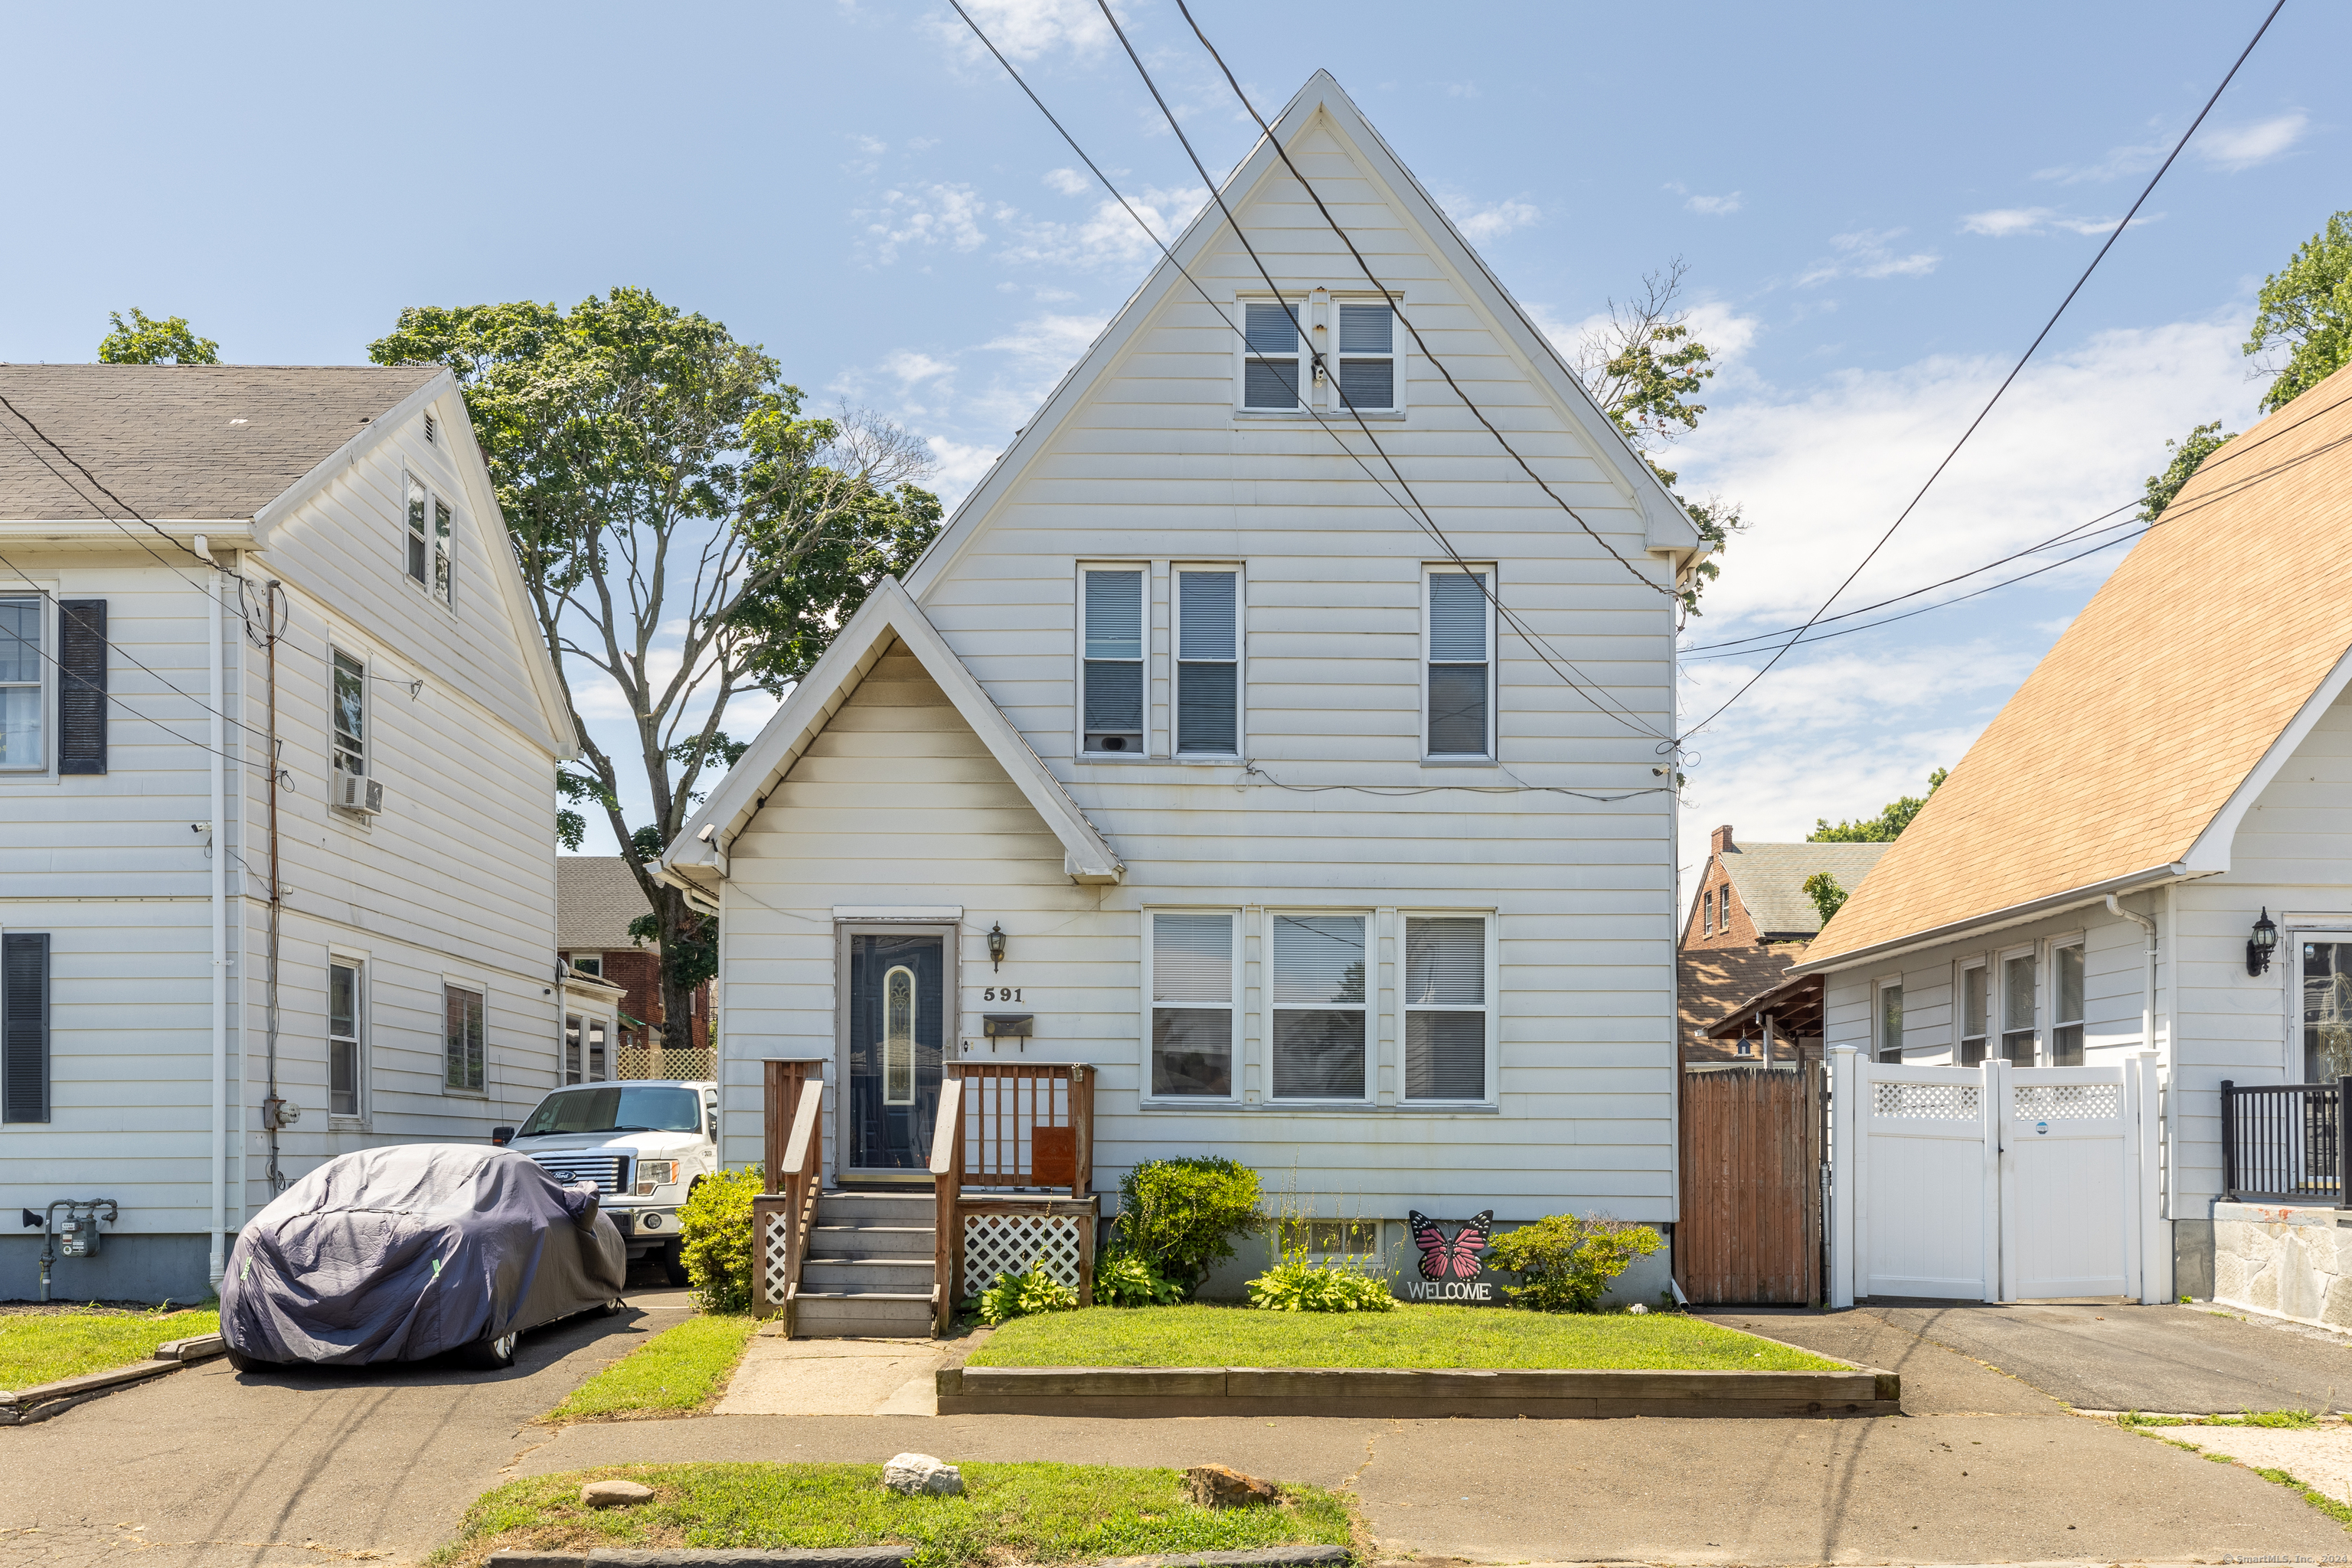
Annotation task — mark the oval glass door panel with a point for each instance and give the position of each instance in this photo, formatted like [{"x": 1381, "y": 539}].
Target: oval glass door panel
[{"x": 897, "y": 1013}]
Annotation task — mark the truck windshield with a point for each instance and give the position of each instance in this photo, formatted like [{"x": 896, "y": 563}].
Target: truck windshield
[{"x": 616, "y": 1108}]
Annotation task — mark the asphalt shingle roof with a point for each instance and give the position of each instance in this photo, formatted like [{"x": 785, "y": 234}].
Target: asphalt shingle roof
[
  {"x": 180, "y": 441},
  {"x": 595, "y": 899},
  {"x": 1770, "y": 879}
]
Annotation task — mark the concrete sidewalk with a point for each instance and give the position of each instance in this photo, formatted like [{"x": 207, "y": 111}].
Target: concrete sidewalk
[
  {"x": 1981, "y": 1469},
  {"x": 835, "y": 1377}
]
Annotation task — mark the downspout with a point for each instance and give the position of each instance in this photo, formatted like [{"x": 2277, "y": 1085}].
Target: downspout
[
  {"x": 216, "y": 731},
  {"x": 272, "y": 1105}
]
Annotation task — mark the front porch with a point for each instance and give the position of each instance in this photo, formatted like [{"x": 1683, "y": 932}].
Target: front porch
[{"x": 1010, "y": 1183}]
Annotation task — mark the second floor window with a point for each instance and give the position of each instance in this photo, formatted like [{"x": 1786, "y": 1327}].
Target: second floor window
[
  {"x": 24, "y": 700},
  {"x": 1208, "y": 662},
  {"x": 350, "y": 715},
  {"x": 342, "y": 1039},
  {"x": 465, "y": 1044},
  {"x": 1112, "y": 639},
  {"x": 1459, "y": 679},
  {"x": 1707, "y": 912}
]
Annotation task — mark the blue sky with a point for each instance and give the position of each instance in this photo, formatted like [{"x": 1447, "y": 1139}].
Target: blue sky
[{"x": 1878, "y": 205}]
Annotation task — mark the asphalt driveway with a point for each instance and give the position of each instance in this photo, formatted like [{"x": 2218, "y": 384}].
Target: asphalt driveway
[
  {"x": 213, "y": 1468},
  {"x": 2173, "y": 1359}
]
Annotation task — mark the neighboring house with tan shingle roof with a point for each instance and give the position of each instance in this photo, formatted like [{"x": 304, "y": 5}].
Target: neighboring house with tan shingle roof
[
  {"x": 2184, "y": 755},
  {"x": 355, "y": 593},
  {"x": 1749, "y": 918}
]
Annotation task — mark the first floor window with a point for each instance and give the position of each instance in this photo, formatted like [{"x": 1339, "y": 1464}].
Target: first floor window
[
  {"x": 1890, "y": 1021},
  {"x": 23, "y": 704},
  {"x": 1976, "y": 998},
  {"x": 1319, "y": 1017},
  {"x": 2017, "y": 1009},
  {"x": 24, "y": 1026},
  {"x": 1458, "y": 640},
  {"x": 572, "y": 1035},
  {"x": 464, "y": 1014},
  {"x": 342, "y": 1039},
  {"x": 2326, "y": 1011},
  {"x": 600, "y": 1065},
  {"x": 1193, "y": 1005},
  {"x": 1446, "y": 1013},
  {"x": 1112, "y": 641},
  {"x": 2067, "y": 1005}
]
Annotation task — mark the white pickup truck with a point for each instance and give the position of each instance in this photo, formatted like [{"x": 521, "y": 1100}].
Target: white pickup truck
[{"x": 645, "y": 1143}]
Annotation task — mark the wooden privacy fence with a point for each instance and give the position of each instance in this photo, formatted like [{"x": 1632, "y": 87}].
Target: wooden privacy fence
[{"x": 1751, "y": 1213}]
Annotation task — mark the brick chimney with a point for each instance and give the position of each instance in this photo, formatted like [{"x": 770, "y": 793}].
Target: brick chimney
[{"x": 1721, "y": 839}]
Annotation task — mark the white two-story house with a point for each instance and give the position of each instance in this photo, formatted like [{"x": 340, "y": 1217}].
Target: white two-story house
[
  {"x": 259, "y": 627},
  {"x": 1295, "y": 771}
]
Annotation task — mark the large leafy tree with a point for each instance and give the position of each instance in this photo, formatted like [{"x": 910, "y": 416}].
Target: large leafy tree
[
  {"x": 2192, "y": 450},
  {"x": 142, "y": 340},
  {"x": 687, "y": 536},
  {"x": 1645, "y": 368},
  {"x": 2304, "y": 313}
]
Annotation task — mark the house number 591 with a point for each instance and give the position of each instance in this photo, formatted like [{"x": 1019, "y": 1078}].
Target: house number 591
[{"x": 1001, "y": 994}]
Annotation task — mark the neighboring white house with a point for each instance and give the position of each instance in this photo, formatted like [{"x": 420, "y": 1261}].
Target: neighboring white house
[
  {"x": 407, "y": 989},
  {"x": 1319, "y": 864},
  {"x": 2182, "y": 756}
]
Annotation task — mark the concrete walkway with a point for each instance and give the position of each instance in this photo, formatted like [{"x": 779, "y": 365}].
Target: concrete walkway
[{"x": 835, "y": 1377}]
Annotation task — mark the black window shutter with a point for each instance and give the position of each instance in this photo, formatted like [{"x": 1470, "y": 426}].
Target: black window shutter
[
  {"x": 81, "y": 686},
  {"x": 24, "y": 1026}
]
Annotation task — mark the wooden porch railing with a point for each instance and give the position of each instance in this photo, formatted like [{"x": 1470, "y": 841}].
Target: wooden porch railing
[
  {"x": 793, "y": 1137},
  {"x": 1009, "y": 1126}
]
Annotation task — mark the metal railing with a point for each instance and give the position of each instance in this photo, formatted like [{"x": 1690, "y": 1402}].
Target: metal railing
[{"x": 2284, "y": 1142}]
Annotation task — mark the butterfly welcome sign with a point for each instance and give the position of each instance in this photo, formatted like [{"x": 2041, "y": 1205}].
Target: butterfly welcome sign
[{"x": 1453, "y": 1262}]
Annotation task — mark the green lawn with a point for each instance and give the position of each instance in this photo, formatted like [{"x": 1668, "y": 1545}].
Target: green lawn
[
  {"x": 42, "y": 1347},
  {"x": 1010, "y": 1513},
  {"x": 678, "y": 1369},
  {"x": 1412, "y": 1336}
]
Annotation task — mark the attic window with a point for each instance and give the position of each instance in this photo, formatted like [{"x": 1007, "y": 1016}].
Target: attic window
[
  {"x": 429, "y": 428},
  {"x": 1366, "y": 357},
  {"x": 1271, "y": 357}
]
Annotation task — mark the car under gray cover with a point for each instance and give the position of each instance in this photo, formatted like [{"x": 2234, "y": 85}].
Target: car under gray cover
[{"x": 403, "y": 1253}]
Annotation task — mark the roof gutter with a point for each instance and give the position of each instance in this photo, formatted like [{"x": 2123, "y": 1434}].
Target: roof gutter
[{"x": 1995, "y": 920}]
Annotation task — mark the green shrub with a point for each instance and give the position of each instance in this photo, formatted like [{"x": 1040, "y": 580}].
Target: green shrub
[
  {"x": 1564, "y": 1263},
  {"x": 1294, "y": 1285},
  {"x": 1124, "y": 1280},
  {"x": 715, "y": 1227},
  {"x": 1019, "y": 1295},
  {"x": 1180, "y": 1216}
]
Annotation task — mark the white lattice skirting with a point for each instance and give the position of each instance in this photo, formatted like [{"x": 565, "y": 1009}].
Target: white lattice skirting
[
  {"x": 995, "y": 1245},
  {"x": 771, "y": 1261}
]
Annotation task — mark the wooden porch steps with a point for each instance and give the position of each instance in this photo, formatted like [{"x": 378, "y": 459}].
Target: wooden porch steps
[{"x": 870, "y": 1267}]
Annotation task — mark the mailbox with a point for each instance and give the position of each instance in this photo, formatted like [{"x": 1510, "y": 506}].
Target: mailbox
[{"x": 1006, "y": 1026}]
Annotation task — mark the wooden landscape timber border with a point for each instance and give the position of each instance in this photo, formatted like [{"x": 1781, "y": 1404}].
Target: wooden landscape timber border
[
  {"x": 22, "y": 1408},
  {"x": 1501, "y": 1394}
]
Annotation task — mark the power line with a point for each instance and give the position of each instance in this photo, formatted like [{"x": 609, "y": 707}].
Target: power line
[
  {"x": 2015, "y": 371},
  {"x": 1600, "y": 700}
]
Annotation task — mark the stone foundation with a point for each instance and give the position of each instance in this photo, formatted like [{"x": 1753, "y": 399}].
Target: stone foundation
[{"x": 2292, "y": 1261}]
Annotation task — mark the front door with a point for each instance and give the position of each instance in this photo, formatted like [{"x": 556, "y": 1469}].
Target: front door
[{"x": 894, "y": 1040}]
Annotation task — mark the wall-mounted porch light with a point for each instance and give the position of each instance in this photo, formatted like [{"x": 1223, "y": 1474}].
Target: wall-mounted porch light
[
  {"x": 2259, "y": 945},
  {"x": 996, "y": 947}
]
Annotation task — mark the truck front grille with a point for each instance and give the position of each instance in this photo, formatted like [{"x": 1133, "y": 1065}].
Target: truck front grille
[{"x": 609, "y": 1173}]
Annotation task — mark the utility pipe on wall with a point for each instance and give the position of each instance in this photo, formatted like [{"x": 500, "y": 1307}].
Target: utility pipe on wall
[{"x": 218, "y": 1264}]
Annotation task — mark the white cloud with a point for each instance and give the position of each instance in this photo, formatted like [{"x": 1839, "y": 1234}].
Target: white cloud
[
  {"x": 1108, "y": 236},
  {"x": 2236, "y": 147},
  {"x": 962, "y": 465},
  {"x": 1069, "y": 182},
  {"x": 1869, "y": 253},
  {"x": 2119, "y": 162},
  {"x": 911, "y": 367},
  {"x": 1715, "y": 206},
  {"x": 1481, "y": 224},
  {"x": 1463, "y": 89},
  {"x": 925, "y": 215},
  {"x": 2001, "y": 222},
  {"x": 1024, "y": 29}
]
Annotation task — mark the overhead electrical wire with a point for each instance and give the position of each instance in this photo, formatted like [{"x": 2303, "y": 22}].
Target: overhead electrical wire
[
  {"x": 109, "y": 494},
  {"x": 1600, "y": 700},
  {"x": 2122, "y": 223}
]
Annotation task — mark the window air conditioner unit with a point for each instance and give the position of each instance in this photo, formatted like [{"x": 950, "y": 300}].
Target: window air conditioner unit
[{"x": 355, "y": 794}]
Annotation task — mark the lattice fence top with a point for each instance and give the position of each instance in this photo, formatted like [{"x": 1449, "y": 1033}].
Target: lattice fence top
[
  {"x": 1930, "y": 1101},
  {"x": 778, "y": 1248},
  {"x": 645, "y": 1061},
  {"x": 2069, "y": 1101},
  {"x": 995, "y": 1245}
]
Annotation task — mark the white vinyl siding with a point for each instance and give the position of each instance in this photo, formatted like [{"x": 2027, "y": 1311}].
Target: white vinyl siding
[
  {"x": 1273, "y": 360},
  {"x": 1319, "y": 1028},
  {"x": 1208, "y": 661},
  {"x": 1449, "y": 1016},
  {"x": 1458, "y": 671},
  {"x": 1111, "y": 659},
  {"x": 1191, "y": 975},
  {"x": 1364, "y": 366},
  {"x": 23, "y": 684}
]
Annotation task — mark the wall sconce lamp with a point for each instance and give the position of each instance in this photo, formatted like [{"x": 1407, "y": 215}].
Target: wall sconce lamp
[
  {"x": 2259, "y": 945},
  {"x": 996, "y": 947}
]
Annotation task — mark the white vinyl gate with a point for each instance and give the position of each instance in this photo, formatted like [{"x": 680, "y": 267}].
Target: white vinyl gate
[{"x": 1993, "y": 1183}]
